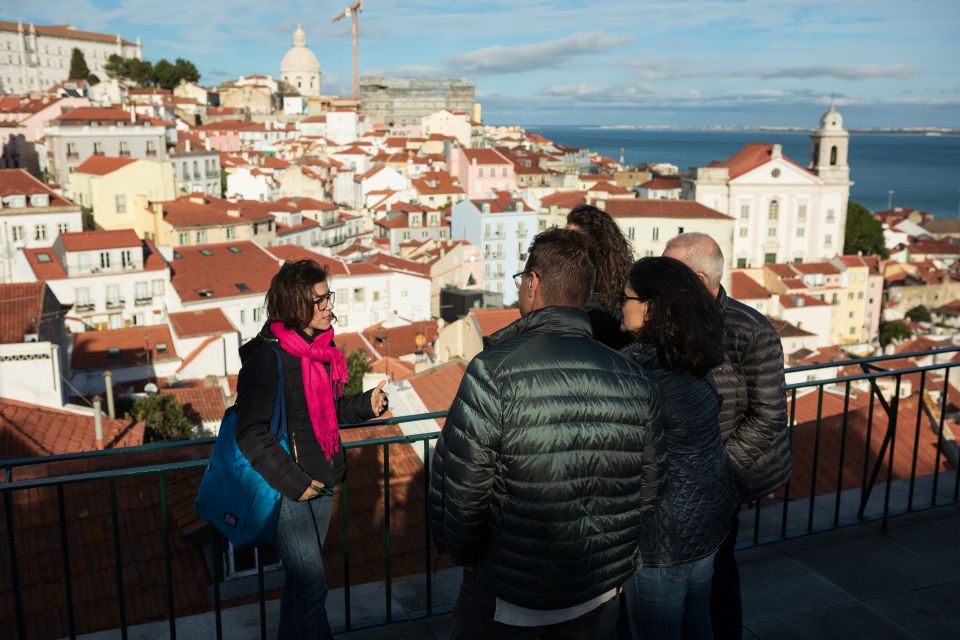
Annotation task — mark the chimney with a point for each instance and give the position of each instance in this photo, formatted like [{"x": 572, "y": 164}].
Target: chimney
[
  {"x": 98, "y": 422},
  {"x": 776, "y": 152},
  {"x": 108, "y": 385}
]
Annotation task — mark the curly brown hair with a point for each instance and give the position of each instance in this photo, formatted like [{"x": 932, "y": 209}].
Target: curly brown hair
[
  {"x": 290, "y": 297},
  {"x": 613, "y": 253}
]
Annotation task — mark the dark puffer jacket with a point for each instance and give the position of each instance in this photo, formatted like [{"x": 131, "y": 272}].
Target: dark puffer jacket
[
  {"x": 605, "y": 323},
  {"x": 256, "y": 389},
  {"x": 550, "y": 455},
  {"x": 693, "y": 515},
  {"x": 753, "y": 414}
]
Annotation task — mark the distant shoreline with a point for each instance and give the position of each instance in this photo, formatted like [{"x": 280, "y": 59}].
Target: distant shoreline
[{"x": 931, "y": 132}]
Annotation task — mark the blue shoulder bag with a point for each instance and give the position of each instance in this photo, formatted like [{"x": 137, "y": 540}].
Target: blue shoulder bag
[{"x": 233, "y": 496}]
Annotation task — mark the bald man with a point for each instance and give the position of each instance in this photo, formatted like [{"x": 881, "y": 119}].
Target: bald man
[{"x": 753, "y": 414}]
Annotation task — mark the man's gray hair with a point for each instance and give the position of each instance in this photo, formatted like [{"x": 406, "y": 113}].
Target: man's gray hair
[{"x": 701, "y": 253}]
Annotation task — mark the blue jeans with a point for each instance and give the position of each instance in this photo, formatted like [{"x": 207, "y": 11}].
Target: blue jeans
[
  {"x": 301, "y": 530},
  {"x": 672, "y": 603}
]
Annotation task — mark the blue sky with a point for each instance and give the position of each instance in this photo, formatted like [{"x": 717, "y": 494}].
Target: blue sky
[{"x": 706, "y": 62}]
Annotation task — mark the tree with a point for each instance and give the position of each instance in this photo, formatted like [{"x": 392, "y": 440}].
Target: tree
[
  {"x": 78, "y": 66},
  {"x": 115, "y": 66},
  {"x": 164, "y": 74},
  {"x": 163, "y": 417},
  {"x": 863, "y": 232},
  {"x": 895, "y": 330},
  {"x": 357, "y": 365},
  {"x": 185, "y": 70},
  {"x": 919, "y": 313},
  {"x": 93, "y": 79}
]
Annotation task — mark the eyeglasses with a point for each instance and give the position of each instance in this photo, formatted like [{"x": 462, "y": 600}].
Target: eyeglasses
[
  {"x": 622, "y": 299},
  {"x": 518, "y": 277},
  {"x": 325, "y": 298}
]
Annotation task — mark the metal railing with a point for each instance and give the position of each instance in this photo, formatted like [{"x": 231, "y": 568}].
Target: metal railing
[{"x": 777, "y": 509}]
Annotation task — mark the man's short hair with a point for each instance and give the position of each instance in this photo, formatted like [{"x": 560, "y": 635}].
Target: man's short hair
[
  {"x": 561, "y": 259},
  {"x": 701, "y": 253}
]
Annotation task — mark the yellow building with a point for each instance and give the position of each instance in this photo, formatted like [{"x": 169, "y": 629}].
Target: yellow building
[{"x": 116, "y": 189}]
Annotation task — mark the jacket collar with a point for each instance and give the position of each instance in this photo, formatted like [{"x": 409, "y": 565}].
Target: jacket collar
[
  {"x": 565, "y": 320},
  {"x": 722, "y": 298}
]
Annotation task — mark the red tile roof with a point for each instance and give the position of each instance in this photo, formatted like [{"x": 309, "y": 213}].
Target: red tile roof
[
  {"x": 63, "y": 31},
  {"x": 644, "y": 208},
  {"x": 402, "y": 340},
  {"x": 191, "y": 324},
  {"x": 399, "y": 264},
  {"x": 94, "y": 114},
  {"x": 17, "y": 182},
  {"x": 504, "y": 202},
  {"x": 28, "y": 430},
  {"x": 490, "y": 320},
  {"x": 394, "y": 368},
  {"x": 606, "y": 187},
  {"x": 292, "y": 253},
  {"x": 134, "y": 345},
  {"x": 21, "y": 310},
  {"x": 795, "y": 300},
  {"x": 811, "y": 268},
  {"x": 437, "y": 387},
  {"x": 45, "y": 264},
  {"x": 99, "y": 240},
  {"x": 102, "y": 165},
  {"x": 746, "y": 288},
  {"x": 564, "y": 199},
  {"x": 232, "y": 269},
  {"x": 485, "y": 157},
  {"x": 200, "y": 404},
  {"x": 198, "y": 210},
  {"x": 751, "y": 156},
  {"x": 662, "y": 184}
]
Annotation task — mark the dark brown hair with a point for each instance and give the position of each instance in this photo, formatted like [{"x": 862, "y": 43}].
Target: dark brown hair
[
  {"x": 290, "y": 298},
  {"x": 562, "y": 260},
  {"x": 614, "y": 255},
  {"x": 683, "y": 320}
]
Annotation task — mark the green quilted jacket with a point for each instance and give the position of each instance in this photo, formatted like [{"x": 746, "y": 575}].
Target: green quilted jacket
[{"x": 551, "y": 452}]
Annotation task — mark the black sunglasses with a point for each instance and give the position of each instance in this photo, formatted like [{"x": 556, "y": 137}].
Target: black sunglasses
[{"x": 622, "y": 299}]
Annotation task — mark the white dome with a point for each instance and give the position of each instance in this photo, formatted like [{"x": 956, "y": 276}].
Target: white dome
[
  {"x": 299, "y": 59},
  {"x": 832, "y": 118}
]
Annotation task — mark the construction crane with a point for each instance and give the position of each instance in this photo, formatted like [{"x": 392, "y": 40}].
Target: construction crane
[{"x": 353, "y": 12}]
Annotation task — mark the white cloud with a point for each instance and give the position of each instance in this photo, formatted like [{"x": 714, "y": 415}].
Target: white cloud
[{"x": 531, "y": 57}]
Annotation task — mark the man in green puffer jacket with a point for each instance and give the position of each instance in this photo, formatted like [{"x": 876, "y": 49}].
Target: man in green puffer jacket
[{"x": 551, "y": 452}]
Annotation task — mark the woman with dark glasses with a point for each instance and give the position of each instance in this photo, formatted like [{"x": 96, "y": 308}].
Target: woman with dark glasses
[
  {"x": 300, "y": 323},
  {"x": 678, "y": 340}
]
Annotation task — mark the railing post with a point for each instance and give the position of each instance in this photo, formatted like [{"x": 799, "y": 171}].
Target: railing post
[
  {"x": 892, "y": 439},
  {"x": 345, "y": 522},
  {"x": 387, "y": 560},
  {"x": 916, "y": 440},
  {"x": 167, "y": 559},
  {"x": 843, "y": 448},
  {"x": 118, "y": 557},
  {"x": 14, "y": 565},
  {"x": 426, "y": 525},
  {"x": 67, "y": 573}
]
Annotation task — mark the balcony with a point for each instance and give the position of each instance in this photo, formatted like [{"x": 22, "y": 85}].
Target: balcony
[
  {"x": 116, "y": 303},
  {"x": 73, "y": 155},
  {"x": 124, "y": 153},
  {"x": 142, "y": 302},
  {"x": 861, "y": 540},
  {"x": 151, "y": 153},
  {"x": 84, "y": 307}
]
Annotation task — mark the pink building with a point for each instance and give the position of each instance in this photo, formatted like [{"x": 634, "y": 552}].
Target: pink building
[{"x": 482, "y": 171}]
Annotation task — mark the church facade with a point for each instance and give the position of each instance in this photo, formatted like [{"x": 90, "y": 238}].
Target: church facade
[{"x": 783, "y": 211}]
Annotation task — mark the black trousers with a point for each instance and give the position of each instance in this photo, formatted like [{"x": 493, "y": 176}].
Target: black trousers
[
  {"x": 475, "y": 608},
  {"x": 726, "y": 608}
]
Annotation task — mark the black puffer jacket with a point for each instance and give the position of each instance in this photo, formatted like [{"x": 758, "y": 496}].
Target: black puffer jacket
[
  {"x": 693, "y": 515},
  {"x": 256, "y": 390},
  {"x": 605, "y": 323},
  {"x": 753, "y": 415},
  {"x": 551, "y": 453}
]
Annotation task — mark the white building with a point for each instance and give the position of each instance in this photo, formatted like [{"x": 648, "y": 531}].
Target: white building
[
  {"x": 31, "y": 215},
  {"x": 784, "y": 212},
  {"x": 300, "y": 68},
  {"x": 34, "y": 58},
  {"x": 502, "y": 228},
  {"x": 252, "y": 183},
  {"x": 112, "y": 278}
]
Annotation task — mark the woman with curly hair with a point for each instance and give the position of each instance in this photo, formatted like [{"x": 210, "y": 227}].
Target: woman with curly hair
[
  {"x": 613, "y": 257},
  {"x": 679, "y": 339}
]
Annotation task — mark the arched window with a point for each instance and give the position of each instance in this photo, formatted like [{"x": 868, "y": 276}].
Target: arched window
[
  {"x": 833, "y": 156},
  {"x": 774, "y": 211}
]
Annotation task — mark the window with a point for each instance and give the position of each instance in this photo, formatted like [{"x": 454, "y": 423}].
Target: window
[
  {"x": 769, "y": 258},
  {"x": 184, "y": 237},
  {"x": 504, "y": 174},
  {"x": 124, "y": 149},
  {"x": 121, "y": 203},
  {"x": 656, "y": 233},
  {"x": 125, "y": 258},
  {"x": 201, "y": 236},
  {"x": 40, "y": 232},
  {"x": 231, "y": 233},
  {"x": 63, "y": 227},
  {"x": 243, "y": 316},
  {"x": 850, "y": 296},
  {"x": 741, "y": 263},
  {"x": 744, "y": 211},
  {"x": 833, "y": 156},
  {"x": 98, "y": 148},
  {"x": 358, "y": 295},
  {"x": 679, "y": 230},
  {"x": 256, "y": 228},
  {"x": 141, "y": 292},
  {"x": 830, "y": 215},
  {"x": 743, "y": 232},
  {"x": 850, "y": 315},
  {"x": 828, "y": 240},
  {"x": 801, "y": 232},
  {"x": 44, "y": 258},
  {"x": 801, "y": 213},
  {"x": 631, "y": 232},
  {"x": 72, "y": 151},
  {"x": 104, "y": 260},
  {"x": 860, "y": 295},
  {"x": 151, "y": 148},
  {"x": 113, "y": 294},
  {"x": 16, "y": 232},
  {"x": 774, "y": 211},
  {"x": 480, "y": 172},
  {"x": 772, "y": 232},
  {"x": 257, "y": 314}
]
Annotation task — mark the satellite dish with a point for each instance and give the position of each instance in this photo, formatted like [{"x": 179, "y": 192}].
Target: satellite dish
[{"x": 150, "y": 388}]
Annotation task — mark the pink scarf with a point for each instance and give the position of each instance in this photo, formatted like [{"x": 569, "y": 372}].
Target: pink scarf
[{"x": 317, "y": 385}]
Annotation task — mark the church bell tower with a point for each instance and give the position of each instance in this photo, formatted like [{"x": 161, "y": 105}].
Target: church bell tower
[{"x": 829, "y": 146}]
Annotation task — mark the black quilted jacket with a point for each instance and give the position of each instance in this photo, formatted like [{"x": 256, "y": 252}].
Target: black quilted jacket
[
  {"x": 753, "y": 414},
  {"x": 551, "y": 453},
  {"x": 693, "y": 515}
]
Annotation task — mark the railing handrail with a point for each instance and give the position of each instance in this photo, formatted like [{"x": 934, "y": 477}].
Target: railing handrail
[{"x": 13, "y": 463}]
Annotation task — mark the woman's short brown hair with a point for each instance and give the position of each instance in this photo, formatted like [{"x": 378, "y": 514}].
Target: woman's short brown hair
[{"x": 290, "y": 298}]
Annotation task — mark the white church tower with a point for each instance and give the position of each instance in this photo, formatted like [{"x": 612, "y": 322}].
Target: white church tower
[{"x": 829, "y": 144}]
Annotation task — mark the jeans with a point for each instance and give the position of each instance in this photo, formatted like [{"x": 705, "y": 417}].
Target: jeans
[
  {"x": 473, "y": 619},
  {"x": 672, "y": 603},
  {"x": 301, "y": 530},
  {"x": 725, "y": 605}
]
